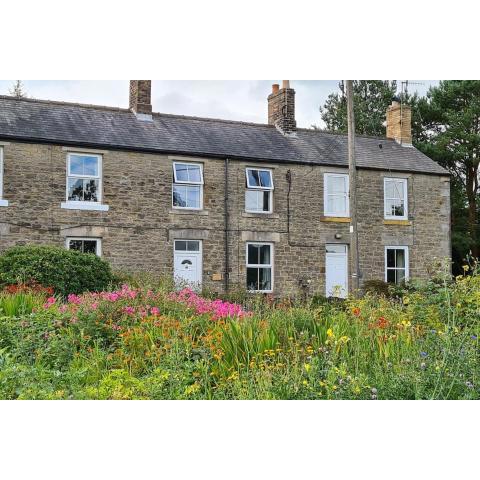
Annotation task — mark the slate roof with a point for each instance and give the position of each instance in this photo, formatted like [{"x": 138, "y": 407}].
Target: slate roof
[{"x": 103, "y": 127}]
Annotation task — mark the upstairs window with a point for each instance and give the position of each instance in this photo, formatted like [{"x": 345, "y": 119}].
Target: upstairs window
[
  {"x": 85, "y": 245},
  {"x": 258, "y": 196},
  {"x": 187, "y": 189},
  {"x": 84, "y": 178},
  {"x": 396, "y": 264},
  {"x": 336, "y": 195},
  {"x": 260, "y": 267},
  {"x": 395, "y": 194}
]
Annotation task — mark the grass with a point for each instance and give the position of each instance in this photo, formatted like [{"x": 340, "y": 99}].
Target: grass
[{"x": 145, "y": 342}]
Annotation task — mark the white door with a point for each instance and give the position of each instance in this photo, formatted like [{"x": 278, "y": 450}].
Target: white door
[
  {"x": 336, "y": 270},
  {"x": 188, "y": 263}
]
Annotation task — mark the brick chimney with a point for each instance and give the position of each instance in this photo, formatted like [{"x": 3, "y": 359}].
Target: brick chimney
[
  {"x": 281, "y": 108},
  {"x": 141, "y": 98},
  {"x": 399, "y": 123}
]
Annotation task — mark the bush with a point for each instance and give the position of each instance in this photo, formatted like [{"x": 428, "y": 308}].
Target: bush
[
  {"x": 377, "y": 287},
  {"x": 66, "y": 271}
]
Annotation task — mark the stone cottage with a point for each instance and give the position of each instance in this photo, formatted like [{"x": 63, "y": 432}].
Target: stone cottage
[{"x": 220, "y": 203}]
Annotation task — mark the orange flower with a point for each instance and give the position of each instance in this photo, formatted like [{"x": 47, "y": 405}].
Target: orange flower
[{"x": 356, "y": 311}]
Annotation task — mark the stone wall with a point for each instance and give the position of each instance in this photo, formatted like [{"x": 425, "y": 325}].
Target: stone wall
[{"x": 139, "y": 229}]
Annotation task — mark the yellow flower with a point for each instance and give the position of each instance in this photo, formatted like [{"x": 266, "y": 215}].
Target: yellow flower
[
  {"x": 307, "y": 367},
  {"x": 330, "y": 332},
  {"x": 305, "y": 382},
  {"x": 466, "y": 268},
  {"x": 406, "y": 301}
]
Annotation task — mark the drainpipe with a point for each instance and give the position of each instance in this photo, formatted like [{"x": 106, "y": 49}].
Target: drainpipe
[{"x": 227, "y": 254}]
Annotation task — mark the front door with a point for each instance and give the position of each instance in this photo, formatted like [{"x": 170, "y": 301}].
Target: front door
[
  {"x": 336, "y": 270},
  {"x": 188, "y": 263}
]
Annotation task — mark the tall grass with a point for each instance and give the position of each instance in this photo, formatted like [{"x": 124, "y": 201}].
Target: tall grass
[{"x": 19, "y": 304}]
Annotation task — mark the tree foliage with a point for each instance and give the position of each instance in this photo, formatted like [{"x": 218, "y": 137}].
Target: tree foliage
[
  {"x": 18, "y": 90},
  {"x": 371, "y": 99}
]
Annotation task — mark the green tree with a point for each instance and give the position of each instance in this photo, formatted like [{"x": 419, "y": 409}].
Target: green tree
[
  {"x": 447, "y": 129},
  {"x": 18, "y": 90},
  {"x": 371, "y": 99}
]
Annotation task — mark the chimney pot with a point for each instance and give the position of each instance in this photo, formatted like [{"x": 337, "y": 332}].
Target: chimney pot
[
  {"x": 285, "y": 83},
  {"x": 275, "y": 88}
]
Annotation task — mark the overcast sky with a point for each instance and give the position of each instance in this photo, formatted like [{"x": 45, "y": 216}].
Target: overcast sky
[{"x": 229, "y": 99}]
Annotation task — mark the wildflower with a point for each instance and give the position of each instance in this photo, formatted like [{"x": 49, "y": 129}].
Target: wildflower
[
  {"x": 423, "y": 365},
  {"x": 330, "y": 332},
  {"x": 155, "y": 311},
  {"x": 305, "y": 382},
  {"x": 129, "y": 310},
  {"x": 356, "y": 311},
  {"x": 466, "y": 268},
  {"x": 63, "y": 309},
  {"x": 473, "y": 337},
  {"x": 307, "y": 367},
  {"x": 423, "y": 354},
  {"x": 382, "y": 322},
  {"x": 94, "y": 305},
  {"x": 406, "y": 300},
  {"x": 72, "y": 298},
  {"x": 374, "y": 391},
  {"x": 50, "y": 301},
  {"x": 469, "y": 384}
]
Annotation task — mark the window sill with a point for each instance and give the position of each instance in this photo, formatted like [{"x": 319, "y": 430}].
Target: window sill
[
  {"x": 85, "y": 206},
  {"x": 336, "y": 219},
  {"x": 186, "y": 211},
  {"x": 259, "y": 215},
  {"x": 397, "y": 222},
  {"x": 3, "y": 203}
]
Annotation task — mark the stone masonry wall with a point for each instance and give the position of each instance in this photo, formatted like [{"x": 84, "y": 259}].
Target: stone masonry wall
[{"x": 139, "y": 229}]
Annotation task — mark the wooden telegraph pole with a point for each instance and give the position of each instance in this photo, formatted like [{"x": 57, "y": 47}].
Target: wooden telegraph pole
[{"x": 352, "y": 171}]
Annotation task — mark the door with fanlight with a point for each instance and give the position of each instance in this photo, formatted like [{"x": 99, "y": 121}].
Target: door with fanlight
[
  {"x": 188, "y": 263},
  {"x": 336, "y": 270}
]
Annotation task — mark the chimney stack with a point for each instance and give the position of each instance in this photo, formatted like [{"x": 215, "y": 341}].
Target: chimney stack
[
  {"x": 281, "y": 108},
  {"x": 399, "y": 123},
  {"x": 141, "y": 98}
]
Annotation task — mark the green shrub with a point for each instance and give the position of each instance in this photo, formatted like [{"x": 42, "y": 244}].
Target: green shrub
[
  {"x": 377, "y": 287},
  {"x": 66, "y": 271}
]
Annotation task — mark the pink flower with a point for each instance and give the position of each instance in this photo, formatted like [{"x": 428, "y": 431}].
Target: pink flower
[
  {"x": 129, "y": 310},
  {"x": 50, "y": 301},
  {"x": 63, "y": 309},
  {"x": 94, "y": 305},
  {"x": 155, "y": 311},
  {"x": 72, "y": 298}
]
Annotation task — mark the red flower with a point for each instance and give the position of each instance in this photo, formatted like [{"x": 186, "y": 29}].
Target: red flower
[
  {"x": 382, "y": 322},
  {"x": 356, "y": 311}
]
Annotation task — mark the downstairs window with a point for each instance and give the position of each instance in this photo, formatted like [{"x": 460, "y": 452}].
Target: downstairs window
[
  {"x": 260, "y": 267},
  {"x": 396, "y": 264},
  {"x": 85, "y": 245}
]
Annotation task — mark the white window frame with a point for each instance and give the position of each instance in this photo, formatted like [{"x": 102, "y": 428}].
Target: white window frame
[
  {"x": 175, "y": 182},
  {"x": 3, "y": 203},
  {"x": 98, "y": 240},
  {"x": 199, "y": 251},
  {"x": 407, "y": 260},
  {"x": 79, "y": 204},
  {"x": 404, "y": 181},
  {"x": 260, "y": 189},
  {"x": 252, "y": 265},
  {"x": 326, "y": 194}
]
